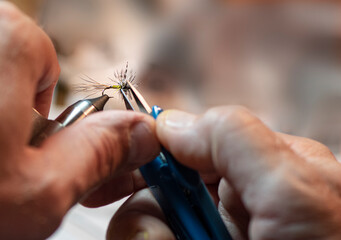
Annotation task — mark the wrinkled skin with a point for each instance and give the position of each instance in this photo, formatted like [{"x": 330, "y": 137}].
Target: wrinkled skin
[
  {"x": 39, "y": 185},
  {"x": 271, "y": 185}
]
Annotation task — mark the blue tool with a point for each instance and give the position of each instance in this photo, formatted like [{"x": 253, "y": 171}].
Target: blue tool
[{"x": 179, "y": 190}]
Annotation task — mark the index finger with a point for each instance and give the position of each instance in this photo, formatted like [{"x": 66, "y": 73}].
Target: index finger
[{"x": 103, "y": 146}]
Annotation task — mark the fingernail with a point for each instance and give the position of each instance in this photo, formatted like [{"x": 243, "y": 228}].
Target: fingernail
[
  {"x": 176, "y": 119},
  {"x": 141, "y": 236}
]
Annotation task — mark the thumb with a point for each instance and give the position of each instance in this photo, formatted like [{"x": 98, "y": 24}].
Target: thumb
[
  {"x": 229, "y": 141},
  {"x": 104, "y": 145}
]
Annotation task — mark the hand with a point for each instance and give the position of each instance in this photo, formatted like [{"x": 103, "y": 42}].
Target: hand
[
  {"x": 39, "y": 185},
  {"x": 273, "y": 186}
]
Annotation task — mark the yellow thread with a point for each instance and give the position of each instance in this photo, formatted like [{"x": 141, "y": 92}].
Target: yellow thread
[{"x": 116, "y": 86}]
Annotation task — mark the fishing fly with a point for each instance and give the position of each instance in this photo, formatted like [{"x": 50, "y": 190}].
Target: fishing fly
[{"x": 120, "y": 81}]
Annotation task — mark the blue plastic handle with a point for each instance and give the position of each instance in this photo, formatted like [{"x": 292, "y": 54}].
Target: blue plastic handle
[{"x": 183, "y": 197}]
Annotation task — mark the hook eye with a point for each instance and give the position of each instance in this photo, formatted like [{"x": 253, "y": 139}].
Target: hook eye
[{"x": 107, "y": 88}]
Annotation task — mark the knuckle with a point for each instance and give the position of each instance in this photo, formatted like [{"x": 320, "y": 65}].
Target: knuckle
[
  {"x": 15, "y": 30},
  {"x": 319, "y": 148},
  {"x": 229, "y": 117},
  {"x": 9, "y": 11},
  {"x": 264, "y": 228}
]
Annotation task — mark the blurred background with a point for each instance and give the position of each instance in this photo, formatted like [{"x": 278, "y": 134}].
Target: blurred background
[{"x": 281, "y": 59}]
